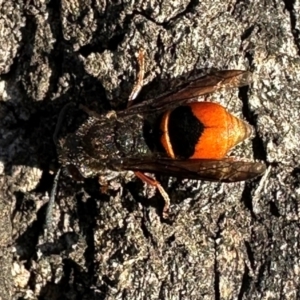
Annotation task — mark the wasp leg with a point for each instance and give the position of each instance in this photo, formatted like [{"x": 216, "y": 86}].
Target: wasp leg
[
  {"x": 140, "y": 77},
  {"x": 163, "y": 193}
]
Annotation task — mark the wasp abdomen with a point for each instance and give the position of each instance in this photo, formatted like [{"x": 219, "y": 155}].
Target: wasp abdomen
[{"x": 202, "y": 130}]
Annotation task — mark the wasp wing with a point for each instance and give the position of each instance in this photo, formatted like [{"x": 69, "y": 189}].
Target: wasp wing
[
  {"x": 225, "y": 170},
  {"x": 192, "y": 90}
]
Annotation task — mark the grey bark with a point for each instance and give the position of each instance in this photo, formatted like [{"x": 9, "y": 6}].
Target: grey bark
[{"x": 226, "y": 241}]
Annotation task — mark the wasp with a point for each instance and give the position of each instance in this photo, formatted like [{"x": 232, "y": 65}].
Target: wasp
[{"x": 172, "y": 134}]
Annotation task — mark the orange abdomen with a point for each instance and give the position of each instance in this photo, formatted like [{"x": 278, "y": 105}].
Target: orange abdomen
[{"x": 202, "y": 130}]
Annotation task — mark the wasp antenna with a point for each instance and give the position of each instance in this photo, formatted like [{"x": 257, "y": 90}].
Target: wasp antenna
[
  {"x": 48, "y": 218},
  {"x": 59, "y": 121}
]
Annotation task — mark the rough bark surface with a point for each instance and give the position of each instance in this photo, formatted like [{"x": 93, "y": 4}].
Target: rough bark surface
[{"x": 226, "y": 241}]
